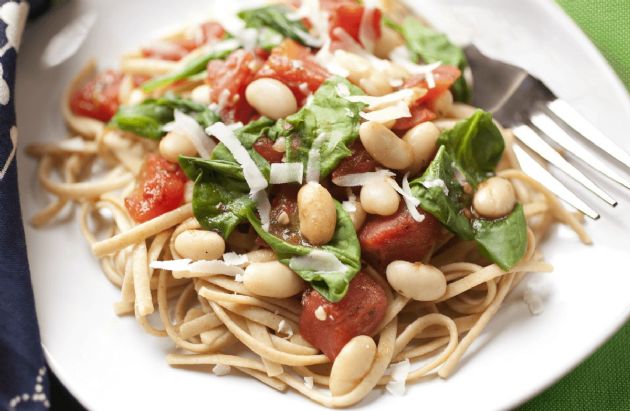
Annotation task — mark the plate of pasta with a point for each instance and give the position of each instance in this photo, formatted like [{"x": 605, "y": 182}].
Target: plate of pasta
[{"x": 298, "y": 201}]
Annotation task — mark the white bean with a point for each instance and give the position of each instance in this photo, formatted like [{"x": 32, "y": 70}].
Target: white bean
[
  {"x": 423, "y": 142},
  {"x": 442, "y": 104},
  {"x": 385, "y": 146},
  {"x": 174, "y": 144},
  {"x": 377, "y": 84},
  {"x": 271, "y": 98},
  {"x": 351, "y": 364},
  {"x": 272, "y": 279},
  {"x": 421, "y": 282},
  {"x": 358, "y": 67},
  {"x": 358, "y": 215},
  {"x": 495, "y": 198},
  {"x": 388, "y": 41},
  {"x": 317, "y": 213},
  {"x": 263, "y": 255},
  {"x": 201, "y": 94},
  {"x": 200, "y": 245},
  {"x": 379, "y": 197}
]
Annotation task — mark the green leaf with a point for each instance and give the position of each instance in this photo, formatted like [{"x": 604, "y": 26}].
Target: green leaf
[
  {"x": 503, "y": 241},
  {"x": 268, "y": 38},
  {"x": 429, "y": 46},
  {"x": 344, "y": 245},
  {"x": 220, "y": 195},
  {"x": 275, "y": 17},
  {"x": 195, "y": 66},
  {"x": 476, "y": 145},
  {"x": 443, "y": 196},
  {"x": 147, "y": 118},
  {"x": 328, "y": 114}
]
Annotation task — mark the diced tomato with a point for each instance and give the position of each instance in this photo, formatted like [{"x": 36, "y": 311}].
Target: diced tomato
[
  {"x": 358, "y": 313},
  {"x": 264, "y": 147},
  {"x": 160, "y": 189},
  {"x": 444, "y": 77},
  {"x": 284, "y": 218},
  {"x": 398, "y": 237},
  {"x": 228, "y": 80},
  {"x": 347, "y": 15},
  {"x": 98, "y": 98},
  {"x": 419, "y": 114},
  {"x": 294, "y": 65},
  {"x": 360, "y": 161},
  {"x": 176, "y": 49}
]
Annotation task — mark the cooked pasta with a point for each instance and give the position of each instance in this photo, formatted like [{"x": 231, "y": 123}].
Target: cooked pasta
[{"x": 224, "y": 261}]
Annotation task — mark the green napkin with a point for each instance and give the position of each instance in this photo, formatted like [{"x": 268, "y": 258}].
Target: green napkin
[{"x": 602, "y": 382}]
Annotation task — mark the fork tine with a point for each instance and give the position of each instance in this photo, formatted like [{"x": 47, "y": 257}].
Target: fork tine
[
  {"x": 538, "y": 172},
  {"x": 582, "y": 126},
  {"x": 531, "y": 139},
  {"x": 551, "y": 129}
]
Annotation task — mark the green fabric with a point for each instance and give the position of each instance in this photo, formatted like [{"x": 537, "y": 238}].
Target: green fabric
[{"x": 602, "y": 382}]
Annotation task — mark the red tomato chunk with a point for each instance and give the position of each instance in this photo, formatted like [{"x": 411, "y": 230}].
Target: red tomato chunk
[
  {"x": 295, "y": 66},
  {"x": 160, "y": 189},
  {"x": 398, "y": 237},
  {"x": 228, "y": 80},
  {"x": 348, "y": 15},
  {"x": 98, "y": 98},
  {"x": 360, "y": 161},
  {"x": 359, "y": 313}
]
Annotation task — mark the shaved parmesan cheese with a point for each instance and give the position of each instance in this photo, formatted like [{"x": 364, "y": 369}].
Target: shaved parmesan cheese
[
  {"x": 238, "y": 278},
  {"x": 172, "y": 265},
  {"x": 344, "y": 91},
  {"x": 221, "y": 369},
  {"x": 317, "y": 260},
  {"x": 253, "y": 176},
  {"x": 361, "y": 179},
  {"x": 406, "y": 95},
  {"x": 308, "y": 382},
  {"x": 399, "y": 373},
  {"x": 248, "y": 38},
  {"x": 436, "y": 183},
  {"x": 367, "y": 34},
  {"x": 411, "y": 202},
  {"x": 232, "y": 258},
  {"x": 399, "y": 110},
  {"x": 533, "y": 297},
  {"x": 189, "y": 128},
  {"x": 320, "y": 313},
  {"x": 264, "y": 208},
  {"x": 213, "y": 267},
  {"x": 314, "y": 159},
  {"x": 283, "y": 173},
  {"x": 285, "y": 328},
  {"x": 349, "y": 206}
]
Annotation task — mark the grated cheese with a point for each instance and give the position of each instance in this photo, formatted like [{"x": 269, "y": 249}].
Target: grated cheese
[
  {"x": 253, "y": 176},
  {"x": 285, "y": 328},
  {"x": 314, "y": 159},
  {"x": 233, "y": 258},
  {"x": 308, "y": 382},
  {"x": 189, "y": 128},
  {"x": 349, "y": 206},
  {"x": 213, "y": 267},
  {"x": 172, "y": 265},
  {"x": 411, "y": 202},
  {"x": 436, "y": 183},
  {"x": 318, "y": 260},
  {"x": 264, "y": 208},
  {"x": 320, "y": 313},
  {"x": 399, "y": 373},
  {"x": 283, "y": 173},
  {"x": 221, "y": 369},
  {"x": 399, "y": 110},
  {"x": 406, "y": 95},
  {"x": 361, "y": 179}
]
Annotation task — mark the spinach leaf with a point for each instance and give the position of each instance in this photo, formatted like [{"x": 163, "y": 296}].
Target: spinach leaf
[
  {"x": 429, "y": 46},
  {"x": 441, "y": 195},
  {"x": 503, "y": 241},
  {"x": 220, "y": 195},
  {"x": 275, "y": 17},
  {"x": 195, "y": 66},
  {"x": 329, "y": 115},
  {"x": 476, "y": 145},
  {"x": 333, "y": 285},
  {"x": 146, "y": 119},
  {"x": 247, "y": 135}
]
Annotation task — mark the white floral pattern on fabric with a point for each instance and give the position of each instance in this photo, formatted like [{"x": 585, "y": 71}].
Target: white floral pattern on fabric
[
  {"x": 13, "y": 134},
  {"x": 38, "y": 394}
]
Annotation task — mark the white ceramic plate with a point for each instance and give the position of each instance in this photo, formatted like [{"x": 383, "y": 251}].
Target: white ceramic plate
[{"x": 110, "y": 363}]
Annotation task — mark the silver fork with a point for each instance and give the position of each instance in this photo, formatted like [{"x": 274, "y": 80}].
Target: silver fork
[{"x": 537, "y": 117}]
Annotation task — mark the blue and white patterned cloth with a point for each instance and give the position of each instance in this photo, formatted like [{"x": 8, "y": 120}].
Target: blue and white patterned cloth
[{"x": 23, "y": 373}]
